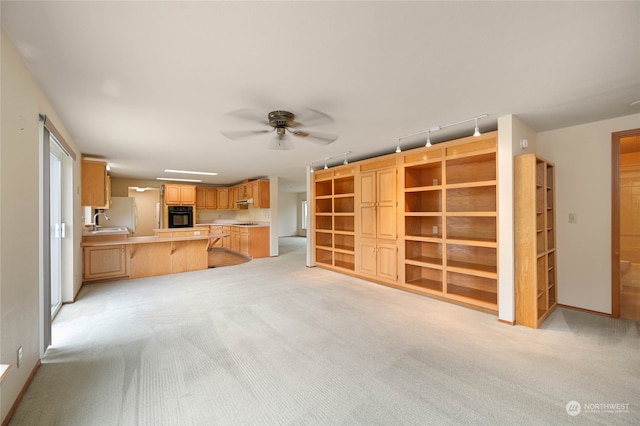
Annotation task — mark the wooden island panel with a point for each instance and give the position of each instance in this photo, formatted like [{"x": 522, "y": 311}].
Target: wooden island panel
[
  {"x": 149, "y": 260},
  {"x": 189, "y": 255}
]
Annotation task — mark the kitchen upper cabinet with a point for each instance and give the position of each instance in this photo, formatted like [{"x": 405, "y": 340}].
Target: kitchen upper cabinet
[
  {"x": 223, "y": 198},
  {"x": 94, "y": 183},
  {"x": 245, "y": 191},
  {"x": 260, "y": 193},
  {"x": 206, "y": 198},
  {"x": 176, "y": 195}
]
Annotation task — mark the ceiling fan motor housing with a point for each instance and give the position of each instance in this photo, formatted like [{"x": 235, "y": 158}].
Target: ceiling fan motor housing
[{"x": 280, "y": 119}]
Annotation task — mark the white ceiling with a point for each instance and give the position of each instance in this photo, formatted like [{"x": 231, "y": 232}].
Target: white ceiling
[{"x": 146, "y": 85}]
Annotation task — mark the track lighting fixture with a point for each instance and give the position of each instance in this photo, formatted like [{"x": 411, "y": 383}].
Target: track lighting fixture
[
  {"x": 325, "y": 160},
  {"x": 476, "y": 131}
]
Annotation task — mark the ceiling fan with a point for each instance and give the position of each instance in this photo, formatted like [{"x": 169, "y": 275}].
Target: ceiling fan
[{"x": 283, "y": 123}]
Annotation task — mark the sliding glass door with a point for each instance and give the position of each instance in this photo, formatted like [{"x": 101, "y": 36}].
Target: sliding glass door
[{"x": 57, "y": 226}]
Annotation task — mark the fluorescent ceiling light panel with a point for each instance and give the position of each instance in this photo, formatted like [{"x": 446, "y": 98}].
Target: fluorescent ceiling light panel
[
  {"x": 190, "y": 172},
  {"x": 180, "y": 180}
]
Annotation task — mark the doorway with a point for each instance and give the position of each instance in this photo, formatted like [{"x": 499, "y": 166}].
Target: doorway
[{"x": 626, "y": 225}]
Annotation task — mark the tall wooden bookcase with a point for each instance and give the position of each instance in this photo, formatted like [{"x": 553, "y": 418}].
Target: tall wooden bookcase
[
  {"x": 334, "y": 218},
  {"x": 450, "y": 221},
  {"x": 535, "y": 240}
]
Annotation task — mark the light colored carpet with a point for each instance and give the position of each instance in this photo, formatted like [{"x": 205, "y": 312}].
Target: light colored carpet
[{"x": 271, "y": 342}]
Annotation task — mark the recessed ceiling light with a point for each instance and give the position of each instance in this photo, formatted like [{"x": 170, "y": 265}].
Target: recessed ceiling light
[
  {"x": 190, "y": 172},
  {"x": 180, "y": 180}
]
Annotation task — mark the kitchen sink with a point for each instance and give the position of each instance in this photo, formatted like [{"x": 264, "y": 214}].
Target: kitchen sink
[{"x": 112, "y": 230}]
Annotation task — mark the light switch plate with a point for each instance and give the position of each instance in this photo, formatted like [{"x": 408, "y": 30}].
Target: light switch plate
[{"x": 573, "y": 218}]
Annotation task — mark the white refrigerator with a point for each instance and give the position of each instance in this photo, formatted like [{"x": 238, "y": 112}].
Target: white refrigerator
[{"x": 123, "y": 212}]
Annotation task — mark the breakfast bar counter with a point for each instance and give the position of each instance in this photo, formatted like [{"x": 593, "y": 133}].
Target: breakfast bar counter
[{"x": 118, "y": 256}]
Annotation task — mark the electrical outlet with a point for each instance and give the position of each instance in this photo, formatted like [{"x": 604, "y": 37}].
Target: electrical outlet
[
  {"x": 19, "y": 356},
  {"x": 435, "y": 229}
]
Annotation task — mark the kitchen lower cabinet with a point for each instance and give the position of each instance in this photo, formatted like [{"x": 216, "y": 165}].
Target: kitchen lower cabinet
[
  {"x": 248, "y": 241},
  {"x": 216, "y": 229},
  {"x": 105, "y": 262},
  {"x": 244, "y": 241},
  {"x": 235, "y": 239}
]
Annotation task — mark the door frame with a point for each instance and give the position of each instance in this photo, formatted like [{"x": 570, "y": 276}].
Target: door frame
[{"x": 615, "y": 217}]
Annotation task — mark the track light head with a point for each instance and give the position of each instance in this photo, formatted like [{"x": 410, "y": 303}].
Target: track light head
[
  {"x": 476, "y": 132},
  {"x": 428, "y": 138},
  {"x": 398, "y": 147}
]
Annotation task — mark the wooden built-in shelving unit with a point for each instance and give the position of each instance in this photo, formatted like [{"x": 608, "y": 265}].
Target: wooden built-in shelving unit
[
  {"x": 535, "y": 240},
  {"x": 426, "y": 220},
  {"x": 334, "y": 218},
  {"x": 450, "y": 221}
]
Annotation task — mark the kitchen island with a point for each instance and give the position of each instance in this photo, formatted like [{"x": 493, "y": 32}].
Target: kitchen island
[{"x": 109, "y": 256}]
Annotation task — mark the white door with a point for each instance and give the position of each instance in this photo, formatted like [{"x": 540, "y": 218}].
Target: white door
[{"x": 57, "y": 227}]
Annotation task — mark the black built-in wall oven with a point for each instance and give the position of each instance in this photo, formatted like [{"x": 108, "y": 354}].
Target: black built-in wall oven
[{"x": 180, "y": 216}]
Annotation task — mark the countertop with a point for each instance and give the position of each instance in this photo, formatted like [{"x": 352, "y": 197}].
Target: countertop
[
  {"x": 241, "y": 224},
  {"x": 151, "y": 239}
]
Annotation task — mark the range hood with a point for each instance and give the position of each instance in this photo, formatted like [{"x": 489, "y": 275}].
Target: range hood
[{"x": 244, "y": 202}]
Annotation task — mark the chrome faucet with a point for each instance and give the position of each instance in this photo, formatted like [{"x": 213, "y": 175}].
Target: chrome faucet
[{"x": 95, "y": 217}]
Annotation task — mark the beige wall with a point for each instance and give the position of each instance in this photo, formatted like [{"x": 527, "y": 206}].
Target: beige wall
[
  {"x": 20, "y": 218},
  {"x": 582, "y": 155},
  {"x": 511, "y": 130}
]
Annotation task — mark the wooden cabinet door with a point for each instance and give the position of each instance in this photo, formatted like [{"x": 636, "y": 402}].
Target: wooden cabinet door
[
  {"x": 94, "y": 183},
  {"x": 216, "y": 229},
  {"x": 226, "y": 241},
  {"x": 233, "y": 197},
  {"x": 187, "y": 194},
  {"x": 386, "y": 204},
  {"x": 244, "y": 242},
  {"x": 223, "y": 198},
  {"x": 368, "y": 257},
  {"x": 378, "y": 204},
  {"x": 105, "y": 262},
  {"x": 387, "y": 261},
  {"x": 235, "y": 239},
  {"x": 368, "y": 205},
  {"x": 211, "y": 198},
  {"x": 172, "y": 194},
  {"x": 201, "y": 197}
]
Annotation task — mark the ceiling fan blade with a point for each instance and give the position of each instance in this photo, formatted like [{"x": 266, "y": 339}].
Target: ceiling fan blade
[
  {"x": 312, "y": 117},
  {"x": 244, "y": 133},
  {"x": 249, "y": 114},
  {"x": 321, "y": 138},
  {"x": 281, "y": 143}
]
